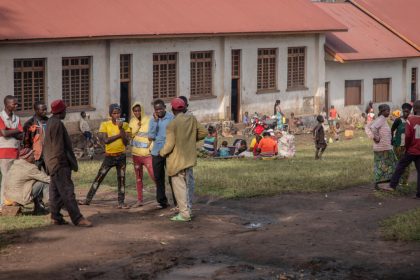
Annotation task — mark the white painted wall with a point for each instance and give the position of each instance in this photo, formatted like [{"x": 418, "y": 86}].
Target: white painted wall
[
  {"x": 336, "y": 73},
  {"x": 105, "y": 71}
]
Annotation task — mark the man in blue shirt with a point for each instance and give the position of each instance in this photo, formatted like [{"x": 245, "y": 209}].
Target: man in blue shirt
[{"x": 157, "y": 134}]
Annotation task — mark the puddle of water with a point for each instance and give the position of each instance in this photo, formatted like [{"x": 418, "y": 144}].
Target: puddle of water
[{"x": 196, "y": 272}]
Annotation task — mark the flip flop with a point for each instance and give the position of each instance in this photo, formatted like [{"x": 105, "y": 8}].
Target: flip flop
[{"x": 179, "y": 218}]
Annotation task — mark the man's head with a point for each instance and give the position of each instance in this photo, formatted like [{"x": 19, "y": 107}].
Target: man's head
[
  {"x": 178, "y": 106},
  {"x": 185, "y": 101},
  {"x": 406, "y": 110},
  {"x": 27, "y": 154},
  {"x": 266, "y": 134},
  {"x": 332, "y": 106},
  {"x": 159, "y": 107},
  {"x": 416, "y": 107},
  {"x": 40, "y": 109},
  {"x": 292, "y": 115},
  {"x": 10, "y": 103},
  {"x": 58, "y": 108},
  {"x": 114, "y": 111},
  {"x": 83, "y": 114},
  {"x": 384, "y": 110},
  {"x": 137, "y": 111}
]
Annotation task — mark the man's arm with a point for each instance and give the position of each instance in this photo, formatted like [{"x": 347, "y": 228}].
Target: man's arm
[
  {"x": 38, "y": 175},
  {"x": 153, "y": 129},
  {"x": 409, "y": 133},
  {"x": 170, "y": 140}
]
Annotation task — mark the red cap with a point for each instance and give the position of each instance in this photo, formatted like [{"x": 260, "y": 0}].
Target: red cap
[
  {"x": 178, "y": 104},
  {"x": 58, "y": 106}
]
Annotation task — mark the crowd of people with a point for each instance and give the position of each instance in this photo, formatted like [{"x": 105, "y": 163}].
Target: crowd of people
[{"x": 36, "y": 160}]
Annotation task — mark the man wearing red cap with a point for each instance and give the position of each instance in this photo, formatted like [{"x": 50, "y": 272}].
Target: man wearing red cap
[
  {"x": 180, "y": 149},
  {"x": 60, "y": 161}
]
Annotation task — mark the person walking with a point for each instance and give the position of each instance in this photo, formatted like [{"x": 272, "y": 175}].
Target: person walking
[
  {"x": 318, "y": 134},
  {"x": 11, "y": 132},
  {"x": 114, "y": 134},
  {"x": 398, "y": 138},
  {"x": 34, "y": 131},
  {"x": 180, "y": 150},
  {"x": 139, "y": 128},
  {"x": 383, "y": 153},
  {"x": 412, "y": 145},
  {"x": 157, "y": 134},
  {"x": 60, "y": 161}
]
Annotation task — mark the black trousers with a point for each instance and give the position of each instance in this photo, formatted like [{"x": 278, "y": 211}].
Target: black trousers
[
  {"x": 62, "y": 194},
  {"x": 401, "y": 166},
  {"x": 120, "y": 163},
  {"x": 159, "y": 164}
]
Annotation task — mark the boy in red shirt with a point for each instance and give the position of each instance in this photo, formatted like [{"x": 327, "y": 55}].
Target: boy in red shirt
[{"x": 412, "y": 144}]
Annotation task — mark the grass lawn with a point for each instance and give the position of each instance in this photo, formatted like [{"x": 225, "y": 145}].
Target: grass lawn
[{"x": 404, "y": 226}]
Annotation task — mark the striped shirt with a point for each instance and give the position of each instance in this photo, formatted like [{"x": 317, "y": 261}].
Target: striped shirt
[
  {"x": 380, "y": 130},
  {"x": 209, "y": 144}
]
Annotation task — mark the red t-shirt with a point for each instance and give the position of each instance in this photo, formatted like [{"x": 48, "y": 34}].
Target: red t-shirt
[
  {"x": 268, "y": 145},
  {"x": 412, "y": 135},
  {"x": 333, "y": 114},
  {"x": 6, "y": 152}
]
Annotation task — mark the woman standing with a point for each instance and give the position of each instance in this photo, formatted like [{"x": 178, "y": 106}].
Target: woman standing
[
  {"x": 139, "y": 126},
  {"x": 279, "y": 115},
  {"x": 383, "y": 154}
]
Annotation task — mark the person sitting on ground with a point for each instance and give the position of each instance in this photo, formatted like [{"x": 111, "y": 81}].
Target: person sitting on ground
[
  {"x": 210, "y": 142},
  {"x": 114, "y": 134},
  {"x": 242, "y": 147},
  {"x": 267, "y": 147},
  {"x": 319, "y": 137},
  {"x": 224, "y": 150},
  {"x": 257, "y": 142},
  {"x": 25, "y": 183},
  {"x": 87, "y": 133}
]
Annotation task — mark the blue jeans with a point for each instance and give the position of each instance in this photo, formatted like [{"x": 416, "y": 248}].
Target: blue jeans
[{"x": 189, "y": 176}]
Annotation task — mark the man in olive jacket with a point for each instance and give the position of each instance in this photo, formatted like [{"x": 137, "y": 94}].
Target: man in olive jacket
[{"x": 180, "y": 149}]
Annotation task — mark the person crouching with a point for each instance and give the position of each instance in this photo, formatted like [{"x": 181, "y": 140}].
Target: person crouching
[{"x": 25, "y": 183}]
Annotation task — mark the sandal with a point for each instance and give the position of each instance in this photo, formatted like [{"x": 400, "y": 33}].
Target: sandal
[
  {"x": 123, "y": 206},
  {"x": 179, "y": 218}
]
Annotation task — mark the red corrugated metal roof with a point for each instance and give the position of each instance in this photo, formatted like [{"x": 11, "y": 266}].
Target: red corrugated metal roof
[
  {"x": 53, "y": 19},
  {"x": 366, "y": 38},
  {"x": 401, "y": 16}
]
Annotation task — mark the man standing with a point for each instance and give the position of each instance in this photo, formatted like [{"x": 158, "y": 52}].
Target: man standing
[
  {"x": 412, "y": 145},
  {"x": 25, "y": 183},
  {"x": 60, "y": 161},
  {"x": 180, "y": 149},
  {"x": 11, "y": 133},
  {"x": 34, "y": 131},
  {"x": 157, "y": 133},
  {"x": 114, "y": 134}
]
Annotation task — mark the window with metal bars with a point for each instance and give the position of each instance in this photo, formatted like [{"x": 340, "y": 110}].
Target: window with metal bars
[
  {"x": 76, "y": 81},
  {"x": 29, "y": 82},
  {"x": 267, "y": 69},
  {"x": 236, "y": 64},
  {"x": 125, "y": 68},
  {"x": 353, "y": 92},
  {"x": 381, "y": 88},
  {"x": 164, "y": 75},
  {"x": 201, "y": 72},
  {"x": 296, "y": 68}
]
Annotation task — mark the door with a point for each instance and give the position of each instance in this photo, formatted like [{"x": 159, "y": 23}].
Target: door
[
  {"x": 235, "y": 95},
  {"x": 413, "y": 84},
  {"x": 125, "y": 86},
  {"x": 327, "y": 96}
]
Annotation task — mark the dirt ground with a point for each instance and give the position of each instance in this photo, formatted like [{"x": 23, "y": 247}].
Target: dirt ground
[{"x": 293, "y": 236}]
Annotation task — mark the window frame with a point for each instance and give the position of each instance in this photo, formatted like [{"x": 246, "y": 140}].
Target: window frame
[
  {"x": 261, "y": 74},
  {"x": 203, "y": 60},
  {"x": 376, "y": 81},
  {"x": 77, "y": 67},
  {"x": 291, "y": 84},
  {"x": 25, "y": 69},
  {"x": 346, "y": 101},
  {"x": 166, "y": 62}
]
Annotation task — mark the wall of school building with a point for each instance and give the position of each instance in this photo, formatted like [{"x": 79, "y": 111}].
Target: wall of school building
[
  {"x": 398, "y": 70},
  {"x": 105, "y": 81}
]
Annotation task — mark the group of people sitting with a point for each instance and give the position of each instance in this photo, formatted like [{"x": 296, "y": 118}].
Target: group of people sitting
[{"x": 36, "y": 160}]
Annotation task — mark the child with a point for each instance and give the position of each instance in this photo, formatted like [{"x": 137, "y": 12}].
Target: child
[
  {"x": 370, "y": 116},
  {"x": 267, "y": 147},
  {"x": 224, "y": 150},
  {"x": 241, "y": 147},
  {"x": 245, "y": 119},
  {"x": 210, "y": 142},
  {"x": 87, "y": 133},
  {"x": 319, "y": 137}
]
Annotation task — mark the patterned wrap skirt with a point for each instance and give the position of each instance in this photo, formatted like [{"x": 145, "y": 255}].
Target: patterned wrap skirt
[{"x": 384, "y": 165}]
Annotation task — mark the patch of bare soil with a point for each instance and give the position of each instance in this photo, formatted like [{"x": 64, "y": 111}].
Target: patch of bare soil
[{"x": 294, "y": 236}]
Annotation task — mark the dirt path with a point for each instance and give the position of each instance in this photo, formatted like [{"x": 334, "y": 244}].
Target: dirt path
[{"x": 296, "y": 236}]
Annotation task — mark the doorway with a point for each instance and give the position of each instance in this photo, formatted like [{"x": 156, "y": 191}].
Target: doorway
[
  {"x": 413, "y": 84},
  {"x": 125, "y": 86},
  {"x": 235, "y": 94}
]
